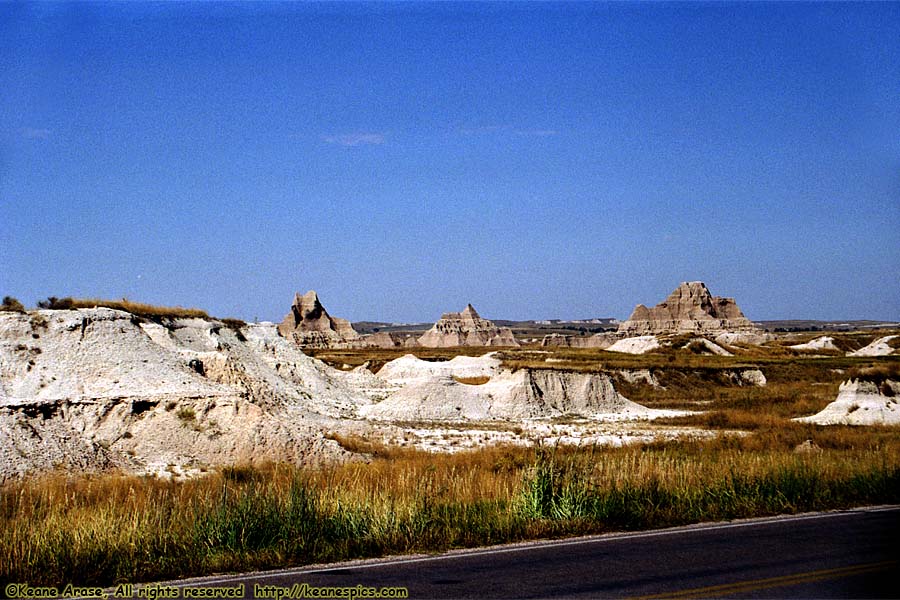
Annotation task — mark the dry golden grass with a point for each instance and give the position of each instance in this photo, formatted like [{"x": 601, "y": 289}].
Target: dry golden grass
[
  {"x": 472, "y": 380},
  {"x": 136, "y": 308},
  {"x": 358, "y": 444},
  {"x": 100, "y": 530}
]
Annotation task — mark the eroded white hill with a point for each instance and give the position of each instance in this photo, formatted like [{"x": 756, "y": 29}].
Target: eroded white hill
[
  {"x": 861, "y": 403},
  {"x": 97, "y": 388},
  {"x": 478, "y": 389}
]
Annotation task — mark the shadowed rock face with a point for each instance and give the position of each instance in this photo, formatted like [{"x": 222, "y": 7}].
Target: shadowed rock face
[
  {"x": 689, "y": 309},
  {"x": 310, "y": 326},
  {"x": 466, "y": 328}
]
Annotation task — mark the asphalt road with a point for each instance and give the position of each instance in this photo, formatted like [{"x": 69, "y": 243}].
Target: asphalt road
[{"x": 851, "y": 554}]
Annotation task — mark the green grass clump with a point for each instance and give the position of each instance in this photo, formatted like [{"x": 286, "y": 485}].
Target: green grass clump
[
  {"x": 571, "y": 488},
  {"x": 186, "y": 414}
]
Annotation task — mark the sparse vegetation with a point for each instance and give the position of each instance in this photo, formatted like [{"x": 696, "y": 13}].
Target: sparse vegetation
[
  {"x": 101, "y": 530},
  {"x": 186, "y": 414},
  {"x": 11, "y": 304},
  {"x": 236, "y": 325},
  {"x": 148, "y": 311},
  {"x": 877, "y": 373},
  {"x": 358, "y": 444},
  {"x": 472, "y": 380}
]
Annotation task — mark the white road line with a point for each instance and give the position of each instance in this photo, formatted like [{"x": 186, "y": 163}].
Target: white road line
[{"x": 525, "y": 546}]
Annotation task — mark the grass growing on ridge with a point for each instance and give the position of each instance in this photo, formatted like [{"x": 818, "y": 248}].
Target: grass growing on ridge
[{"x": 136, "y": 308}]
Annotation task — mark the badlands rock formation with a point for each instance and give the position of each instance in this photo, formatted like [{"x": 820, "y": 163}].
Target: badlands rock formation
[
  {"x": 598, "y": 340},
  {"x": 751, "y": 377},
  {"x": 91, "y": 389},
  {"x": 820, "y": 343},
  {"x": 704, "y": 346},
  {"x": 689, "y": 309},
  {"x": 466, "y": 328},
  {"x": 635, "y": 345},
  {"x": 96, "y": 388},
  {"x": 388, "y": 339},
  {"x": 478, "y": 389},
  {"x": 861, "y": 403},
  {"x": 880, "y": 347},
  {"x": 310, "y": 326}
]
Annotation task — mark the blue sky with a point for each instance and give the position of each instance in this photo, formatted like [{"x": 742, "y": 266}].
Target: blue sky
[{"x": 536, "y": 160}]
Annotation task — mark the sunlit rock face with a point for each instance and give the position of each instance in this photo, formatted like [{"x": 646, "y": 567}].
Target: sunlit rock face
[
  {"x": 96, "y": 389},
  {"x": 310, "y": 326},
  {"x": 466, "y": 328},
  {"x": 691, "y": 308},
  {"x": 861, "y": 403}
]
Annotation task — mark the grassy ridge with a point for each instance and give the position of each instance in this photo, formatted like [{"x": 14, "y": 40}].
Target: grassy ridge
[
  {"x": 136, "y": 308},
  {"x": 106, "y": 529}
]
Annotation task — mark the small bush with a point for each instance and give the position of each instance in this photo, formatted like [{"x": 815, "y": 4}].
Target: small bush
[
  {"x": 242, "y": 474},
  {"x": 54, "y": 303},
  {"x": 11, "y": 304}
]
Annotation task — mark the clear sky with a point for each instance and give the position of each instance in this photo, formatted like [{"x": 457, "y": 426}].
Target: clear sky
[{"x": 536, "y": 160}]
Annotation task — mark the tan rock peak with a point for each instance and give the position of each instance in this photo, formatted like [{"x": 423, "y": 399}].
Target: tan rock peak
[
  {"x": 310, "y": 326},
  {"x": 470, "y": 312},
  {"x": 308, "y": 313},
  {"x": 466, "y": 328},
  {"x": 689, "y": 308}
]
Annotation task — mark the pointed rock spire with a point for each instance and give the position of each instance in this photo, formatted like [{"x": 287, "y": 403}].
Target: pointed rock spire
[
  {"x": 310, "y": 326},
  {"x": 466, "y": 328}
]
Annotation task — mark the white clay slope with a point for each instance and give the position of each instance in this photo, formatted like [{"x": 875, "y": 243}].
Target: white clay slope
[
  {"x": 860, "y": 403},
  {"x": 431, "y": 391},
  {"x": 409, "y": 368},
  {"x": 635, "y": 345},
  {"x": 820, "y": 343},
  {"x": 98, "y": 388},
  {"x": 93, "y": 388},
  {"x": 879, "y": 347}
]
